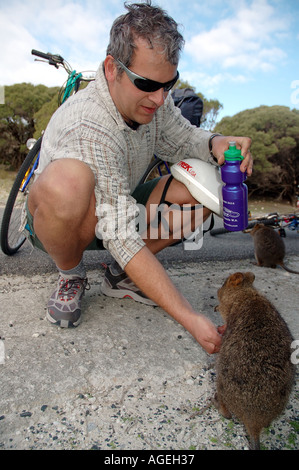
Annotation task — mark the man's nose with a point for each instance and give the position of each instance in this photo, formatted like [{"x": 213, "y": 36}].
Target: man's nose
[{"x": 158, "y": 97}]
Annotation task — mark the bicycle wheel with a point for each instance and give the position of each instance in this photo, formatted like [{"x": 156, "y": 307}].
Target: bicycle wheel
[
  {"x": 155, "y": 169},
  {"x": 11, "y": 238}
]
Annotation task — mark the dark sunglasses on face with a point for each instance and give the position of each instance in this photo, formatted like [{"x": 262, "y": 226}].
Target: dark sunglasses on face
[{"x": 145, "y": 84}]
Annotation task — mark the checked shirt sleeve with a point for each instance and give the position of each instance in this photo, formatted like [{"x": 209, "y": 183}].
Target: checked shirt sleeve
[{"x": 179, "y": 139}]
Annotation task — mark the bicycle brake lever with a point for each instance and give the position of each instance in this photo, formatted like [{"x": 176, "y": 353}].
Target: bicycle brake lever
[
  {"x": 49, "y": 61},
  {"x": 52, "y": 62}
]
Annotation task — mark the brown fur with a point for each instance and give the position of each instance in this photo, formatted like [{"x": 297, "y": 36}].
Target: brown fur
[
  {"x": 269, "y": 248},
  {"x": 254, "y": 370}
]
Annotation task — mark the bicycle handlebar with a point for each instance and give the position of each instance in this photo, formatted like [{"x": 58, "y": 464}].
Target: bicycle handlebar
[{"x": 53, "y": 59}]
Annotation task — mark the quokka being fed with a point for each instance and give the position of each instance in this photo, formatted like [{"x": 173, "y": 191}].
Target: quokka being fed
[{"x": 254, "y": 369}]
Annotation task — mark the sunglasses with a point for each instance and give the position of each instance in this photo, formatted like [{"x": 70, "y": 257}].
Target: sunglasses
[{"x": 145, "y": 84}]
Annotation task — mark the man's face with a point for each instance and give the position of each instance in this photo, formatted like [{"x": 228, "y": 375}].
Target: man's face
[{"x": 132, "y": 103}]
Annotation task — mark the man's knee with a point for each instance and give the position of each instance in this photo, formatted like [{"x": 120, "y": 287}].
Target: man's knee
[
  {"x": 70, "y": 177},
  {"x": 178, "y": 193},
  {"x": 63, "y": 184}
]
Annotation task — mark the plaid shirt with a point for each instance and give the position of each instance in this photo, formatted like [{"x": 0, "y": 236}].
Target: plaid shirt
[{"x": 89, "y": 127}]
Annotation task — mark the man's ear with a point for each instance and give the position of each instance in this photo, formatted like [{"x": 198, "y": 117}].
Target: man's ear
[{"x": 110, "y": 68}]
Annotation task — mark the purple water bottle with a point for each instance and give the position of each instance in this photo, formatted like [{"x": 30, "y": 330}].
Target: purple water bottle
[{"x": 234, "y": 191}]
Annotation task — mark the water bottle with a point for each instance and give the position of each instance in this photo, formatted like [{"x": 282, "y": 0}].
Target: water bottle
[{"x": 234, "y": 191}]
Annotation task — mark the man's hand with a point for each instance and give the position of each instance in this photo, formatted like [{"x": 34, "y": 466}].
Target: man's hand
[
  {"x": 221, "y": 143},
  {"x": 206, "y": 334}
]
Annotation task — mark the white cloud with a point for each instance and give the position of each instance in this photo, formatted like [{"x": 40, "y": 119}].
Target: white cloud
[
  {"x": 246, "y": 40},
  {"x": 79, "y": 32},
  {"x": 81, "y": 29},
  {"x": 209, "y": 83},
  {"x": 16, "y": 44}
]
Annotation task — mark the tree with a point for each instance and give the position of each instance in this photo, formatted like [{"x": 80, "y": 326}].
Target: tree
[
  {"x": 274, "y": 131},
  {"x": 17, "y": 119},
  {"x": 43, "y": 115}
]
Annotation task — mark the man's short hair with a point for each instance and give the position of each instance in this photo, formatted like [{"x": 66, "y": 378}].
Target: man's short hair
[{"x": 148, "y": 22}]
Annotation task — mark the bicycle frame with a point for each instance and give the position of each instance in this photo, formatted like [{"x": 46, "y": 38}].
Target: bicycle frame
[
  {"x": 29, "y": 174},
  {"x": 159, "y": 166}
]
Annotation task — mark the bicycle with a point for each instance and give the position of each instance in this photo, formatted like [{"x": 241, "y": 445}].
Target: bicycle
[
  {"x": 11, "y": 238},
  {"x": 275, "y": 220}
]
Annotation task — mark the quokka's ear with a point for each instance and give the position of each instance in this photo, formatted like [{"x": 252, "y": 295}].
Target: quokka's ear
[
  {"x": 250, "y": 277},
  {"x": 235, "y": 279}
]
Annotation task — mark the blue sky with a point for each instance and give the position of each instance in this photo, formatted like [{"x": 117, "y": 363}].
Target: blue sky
[{"x": 245, "y": 53}]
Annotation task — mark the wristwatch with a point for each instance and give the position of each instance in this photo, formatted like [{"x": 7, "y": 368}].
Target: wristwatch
[{"x": 210, "y": 144}]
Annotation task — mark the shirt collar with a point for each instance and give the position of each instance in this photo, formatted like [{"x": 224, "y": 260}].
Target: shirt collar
[{"x": 104, "y": 93}]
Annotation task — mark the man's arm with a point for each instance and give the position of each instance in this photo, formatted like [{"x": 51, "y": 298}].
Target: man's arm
[{"x": 149, "y": 275}]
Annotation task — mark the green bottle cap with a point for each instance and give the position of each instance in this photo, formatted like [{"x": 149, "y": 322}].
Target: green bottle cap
[{"x": 233, "y": 154}]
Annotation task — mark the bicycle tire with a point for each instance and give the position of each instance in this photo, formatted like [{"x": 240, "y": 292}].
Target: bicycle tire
[
  {"x": 11, "y": 238},
  {"x": 156, "y": 164},
  {"x": 221, "y": 231},
  {"x": 271, "y": 222}
]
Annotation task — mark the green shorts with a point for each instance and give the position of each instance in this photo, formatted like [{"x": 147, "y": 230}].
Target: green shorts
[{"x": 141, "y": 194}]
